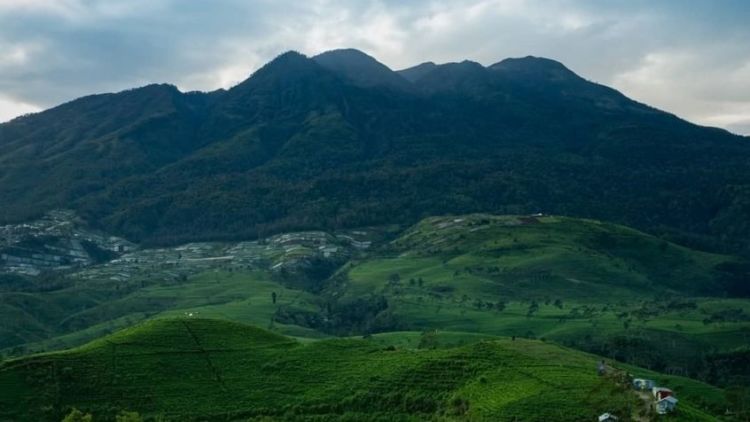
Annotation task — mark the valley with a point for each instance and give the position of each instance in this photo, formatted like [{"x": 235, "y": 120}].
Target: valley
[{"x": 445, "y": 283}]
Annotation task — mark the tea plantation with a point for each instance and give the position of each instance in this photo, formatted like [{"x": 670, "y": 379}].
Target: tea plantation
[{"x": 199, "y": 369}]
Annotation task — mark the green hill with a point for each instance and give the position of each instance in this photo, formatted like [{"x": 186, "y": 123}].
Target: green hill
[
  {"x": 531, "y": 257},
  {"x": 599, "y": 287},
  {"x": 196, "y": 369}
]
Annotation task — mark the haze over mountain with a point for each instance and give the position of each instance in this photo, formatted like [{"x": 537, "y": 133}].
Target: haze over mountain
[{"x": 339, "y": 140}]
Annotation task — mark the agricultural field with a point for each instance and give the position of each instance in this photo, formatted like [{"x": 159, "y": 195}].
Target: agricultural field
[
  {"x": 196, "y": 369},
  {"x": 239, "y": 296},
  {"x": 244, "y": 281},
  {"x": 446, "y": 283}
]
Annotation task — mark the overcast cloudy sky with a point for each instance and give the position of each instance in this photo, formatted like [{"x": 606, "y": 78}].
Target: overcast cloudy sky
[{"x": 690, "y": 57}]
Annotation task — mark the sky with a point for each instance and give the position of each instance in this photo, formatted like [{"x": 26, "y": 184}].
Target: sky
[{"x": 689, "y": 57}]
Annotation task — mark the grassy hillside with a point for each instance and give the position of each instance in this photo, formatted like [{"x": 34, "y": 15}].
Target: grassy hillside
[
  {"x": 531, "y": 257},
  {"x": 197, "y": 369},
  {"x": 84, "y": 311},
  {"x": 596, "y": 286}
]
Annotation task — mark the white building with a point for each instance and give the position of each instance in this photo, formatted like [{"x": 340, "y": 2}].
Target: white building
[{"x": 666, "y": 405}]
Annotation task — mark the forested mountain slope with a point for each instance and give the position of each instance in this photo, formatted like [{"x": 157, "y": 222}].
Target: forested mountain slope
[{"x": 340, "y": 140}]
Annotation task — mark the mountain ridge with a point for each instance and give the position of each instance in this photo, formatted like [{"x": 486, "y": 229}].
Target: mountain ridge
[{"x": 297, "y": 140}]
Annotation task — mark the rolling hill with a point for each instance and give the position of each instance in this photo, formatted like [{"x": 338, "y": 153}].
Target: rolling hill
[
  {"x": 197, "y": 369},
  {"x": 340, "y": 141},
  {"x": 595, "y": 286}
]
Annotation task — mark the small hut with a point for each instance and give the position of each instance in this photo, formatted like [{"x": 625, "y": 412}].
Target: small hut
[
  {"x": 661, "y": 393},
  {"x": 666, "y": 405},
  {"x": 642, "y": 384}
]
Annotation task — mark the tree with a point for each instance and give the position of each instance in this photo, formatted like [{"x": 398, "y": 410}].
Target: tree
[
  {"x": 125, "y": 416},
  {"x": 273, "y": 297},
  {"x": 394, "y": 279},
  {"x": 738, "y": 397},
  {"x": 533, "y": 307},
  {"x": 76, "y": 415},
  {"x": 428, "y": 340}
]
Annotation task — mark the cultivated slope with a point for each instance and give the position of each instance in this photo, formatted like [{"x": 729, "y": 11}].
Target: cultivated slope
[
  {"x": 599, "y": 287},
  {"x": 191, "y": 369},
  {"x": 596, "y": 286},
  {"x": 534, "y": 256}
]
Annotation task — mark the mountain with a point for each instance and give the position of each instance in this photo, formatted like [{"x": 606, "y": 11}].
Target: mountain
[
  {"x": 201, "y": 369},
  {"x": 361, "y": 69},
  {"x": 341, "y": 141}
]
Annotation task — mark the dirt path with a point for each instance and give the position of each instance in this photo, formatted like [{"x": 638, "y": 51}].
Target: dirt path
[
  {"x": 640, "y": 413},
  {"x": 645, "y": 397}
]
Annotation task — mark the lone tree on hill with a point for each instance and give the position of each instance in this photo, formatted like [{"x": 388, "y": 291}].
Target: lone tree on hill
[
  {"x": 394, "y": 279},
  {"x": 273, "y": 297}
]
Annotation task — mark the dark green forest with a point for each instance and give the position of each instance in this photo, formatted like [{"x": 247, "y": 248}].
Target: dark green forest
[{"x": 339, "y": 140}]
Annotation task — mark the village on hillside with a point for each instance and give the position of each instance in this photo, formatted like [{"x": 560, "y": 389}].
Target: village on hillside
[
  {"x": 661, "y": 399},
  {"x": 61, "y": 242},
  {"x": 56, "y": 242}
]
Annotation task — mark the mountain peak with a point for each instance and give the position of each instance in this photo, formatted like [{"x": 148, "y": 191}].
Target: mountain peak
[
  {"x": 415, "y": 73},
  {"x": 534, "y": 66},
  {"x": 466, "y": 76},
  {"x": 360, "y": 68},
  {"x": 288, "y": 66},
  {"x": 290, "y": 58},
  {"x": 348, "y": 53}
]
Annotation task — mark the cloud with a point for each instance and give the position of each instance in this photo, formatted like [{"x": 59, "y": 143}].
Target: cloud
[
  {"x": 701, "y": 84},
  {"x": 13, "y": 108},
  {"x": 689, "y": 57}
]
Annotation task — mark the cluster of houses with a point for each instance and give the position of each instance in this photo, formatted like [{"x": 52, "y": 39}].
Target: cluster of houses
[
  {"x": 664, "y": 399},
  {"x": 172, "y": 264},
  {"x": 58, "y": 241}
]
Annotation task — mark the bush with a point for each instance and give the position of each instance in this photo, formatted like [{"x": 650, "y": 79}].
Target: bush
[
  {"x": 76, "y": 415},
  {"x": 125, "y": 416}
]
